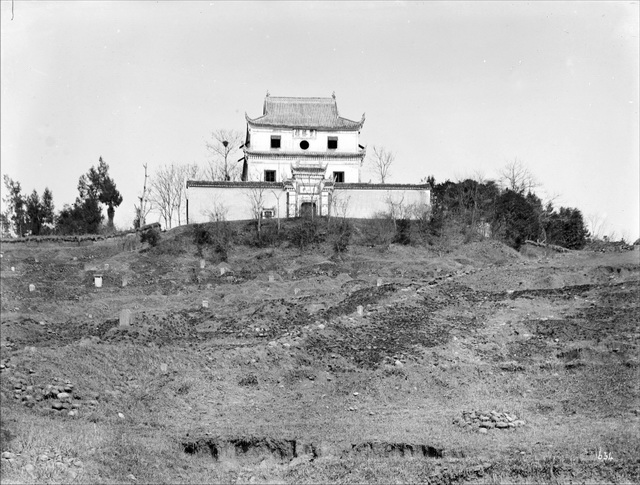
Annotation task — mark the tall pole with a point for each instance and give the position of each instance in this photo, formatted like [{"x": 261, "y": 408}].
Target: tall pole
[{"x": 225, "y": 143}]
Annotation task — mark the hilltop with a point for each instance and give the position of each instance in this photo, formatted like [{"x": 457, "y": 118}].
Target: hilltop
[{"x": 293, "y": 363}]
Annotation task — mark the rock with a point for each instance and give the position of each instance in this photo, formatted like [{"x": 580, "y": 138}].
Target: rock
[
  {"x": 501, "y": 424},
  {"x": 72, "y": 413},
  {"x": 57, "y": 405},
  {"x": 121, "y": 416},
  {"x": 43, "y": 457},
  {"x": 518, "y": 422},
  {"x": 399, "y": 364},
  {"x": 483, "y": 430},
  {"x": 29, "y": 468},
  {"x": 7, "y": 455},
  {"x": 164, "y": 368},
  {"x": 63, "y": 396}
]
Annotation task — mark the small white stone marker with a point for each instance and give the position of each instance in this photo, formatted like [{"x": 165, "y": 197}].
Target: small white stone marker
[
  {"x": 271, "y": 278},
  {"x": 296, "y": 291},
  {"x": 32, "y": 288},
  {"x": 106, "y": 266},
  {"x": 13, "y": 268},
  {"x": 125, "y": 317},
  {"x": 205, "y": 303},
  {"x": 97, "y": 280},
  {"x": 202, "y": 263},
  {"x": 164, "y": 368},
  {"x": 379, "y": 282},
  {"x": 360, "y": 310},
  {"x": 223, "y": 270},
  {"x": 125, "y": 281}
]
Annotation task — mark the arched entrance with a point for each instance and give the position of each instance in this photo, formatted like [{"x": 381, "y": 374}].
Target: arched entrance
[{"x": 308, "y": 209}]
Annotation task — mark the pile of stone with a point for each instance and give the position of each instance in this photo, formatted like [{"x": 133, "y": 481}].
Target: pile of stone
[
  {"x": 483, "y": 421},
  {"x": 44, "y": 462},
  {"x": 60, "y": 395}
]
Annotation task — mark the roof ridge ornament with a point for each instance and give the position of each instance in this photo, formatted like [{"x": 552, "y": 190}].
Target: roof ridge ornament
[
  {"x": 333, "y": 95},
  {"x": 268, "y": 93}
]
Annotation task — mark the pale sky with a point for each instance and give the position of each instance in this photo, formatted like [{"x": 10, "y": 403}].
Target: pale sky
[{"x": 455, "y": 89}]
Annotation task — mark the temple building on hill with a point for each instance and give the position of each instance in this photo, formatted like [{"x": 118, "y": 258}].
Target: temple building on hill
[{"x": 301, "y": 158}]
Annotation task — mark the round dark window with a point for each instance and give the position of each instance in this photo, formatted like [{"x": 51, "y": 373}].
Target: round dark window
[{"x": 304, "y": 144}]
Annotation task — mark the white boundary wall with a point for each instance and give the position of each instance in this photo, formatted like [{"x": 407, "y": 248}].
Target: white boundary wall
[{"x": 232, "y": 200}]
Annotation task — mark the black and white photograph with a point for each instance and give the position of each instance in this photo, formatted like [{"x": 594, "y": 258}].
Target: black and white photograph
[{"x": 308, "y": 242}]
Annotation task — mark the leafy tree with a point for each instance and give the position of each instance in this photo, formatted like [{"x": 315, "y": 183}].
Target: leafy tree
[
  {"x": 83, "y": 217},
  {"x": 47, "y": 211},
  {"x": 97, "y": 184},
  {"x": 16, "y": 206},
  {"x": 567, "y": 228},
  {"x": 515, "y": 219},
  {"x": 34, "y": 213}
]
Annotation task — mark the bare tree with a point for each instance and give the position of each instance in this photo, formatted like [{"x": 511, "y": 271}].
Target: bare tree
[
  {"x": 256, "y": 202},
  {"x": 163, "y": 193},
  {"x": 597, "y": 226},
  {"x": 182, "y": 174},
  {"x": 218, "y": 211},
  {"x": 142, "y": 210},
  {"x": 397, "y": 208},
  {"x": 517, "y": 177},
  {"x": 225, "y": 149},
  {"x": 380, "y": 162},
  {"x": 168, "y": 191},
  {"x": 277, "y": 194}
]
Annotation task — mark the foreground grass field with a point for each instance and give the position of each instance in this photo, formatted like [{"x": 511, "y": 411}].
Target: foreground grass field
[{"x": 308, "y": 367}]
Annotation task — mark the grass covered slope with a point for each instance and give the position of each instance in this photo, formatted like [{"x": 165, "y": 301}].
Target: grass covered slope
[{"x": 381, "y": 364}]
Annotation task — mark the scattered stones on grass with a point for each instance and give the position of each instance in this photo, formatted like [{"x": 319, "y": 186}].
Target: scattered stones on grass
[{"x": 480, "y": 420}]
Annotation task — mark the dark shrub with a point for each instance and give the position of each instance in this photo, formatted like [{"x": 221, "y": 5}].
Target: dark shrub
[
  {"x": 403, "y": 232},
  {"x": 342, "y": 237},
  {"x": 152, "y": 236}
]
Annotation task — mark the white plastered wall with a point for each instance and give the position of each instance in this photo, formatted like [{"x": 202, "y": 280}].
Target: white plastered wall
[
  {"x": 367, "y": 203},
  {"x": 234, "y": 203}
]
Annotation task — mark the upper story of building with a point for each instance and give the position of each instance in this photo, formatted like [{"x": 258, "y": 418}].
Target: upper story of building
[{"x": 294, "y": 131}]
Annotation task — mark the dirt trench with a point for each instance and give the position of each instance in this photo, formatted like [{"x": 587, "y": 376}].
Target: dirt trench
[{"x": 256, "y": 449}]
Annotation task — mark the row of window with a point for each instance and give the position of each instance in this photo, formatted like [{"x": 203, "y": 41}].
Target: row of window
[
  {"x": 270, "y": 176},
  {"x": 332, "y": 142}
]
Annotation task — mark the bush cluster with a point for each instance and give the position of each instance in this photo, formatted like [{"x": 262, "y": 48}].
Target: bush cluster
[
  {"x": 306, "y": 233},
  {"x": 152, "y": 236}
]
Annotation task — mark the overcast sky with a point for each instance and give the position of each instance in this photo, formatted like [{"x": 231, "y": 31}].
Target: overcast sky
[{"x": 455, "y": 89}]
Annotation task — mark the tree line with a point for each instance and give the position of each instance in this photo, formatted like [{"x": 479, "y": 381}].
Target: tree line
[
  {"x": 510, "y": 211},
  {"x": 35, "y": 214}
]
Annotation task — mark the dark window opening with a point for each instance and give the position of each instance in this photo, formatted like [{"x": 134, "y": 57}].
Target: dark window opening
[
  {"x": 275, "y": 142},
  {"x": 338, "y": 177},
  {"x": 332, "y": 143},
  {"x": 304, "y": 144},
  {"x": 269, "y": 175}
]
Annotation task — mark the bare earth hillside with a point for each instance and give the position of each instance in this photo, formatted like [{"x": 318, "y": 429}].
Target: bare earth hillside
[{"x": 477, "y": 364}]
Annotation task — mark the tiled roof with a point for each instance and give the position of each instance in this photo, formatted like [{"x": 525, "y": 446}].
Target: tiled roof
[
  {"x": 318, "y": 113},
  {"x": 303, "y": 155},
  {"x": 234, "y": 184}
]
